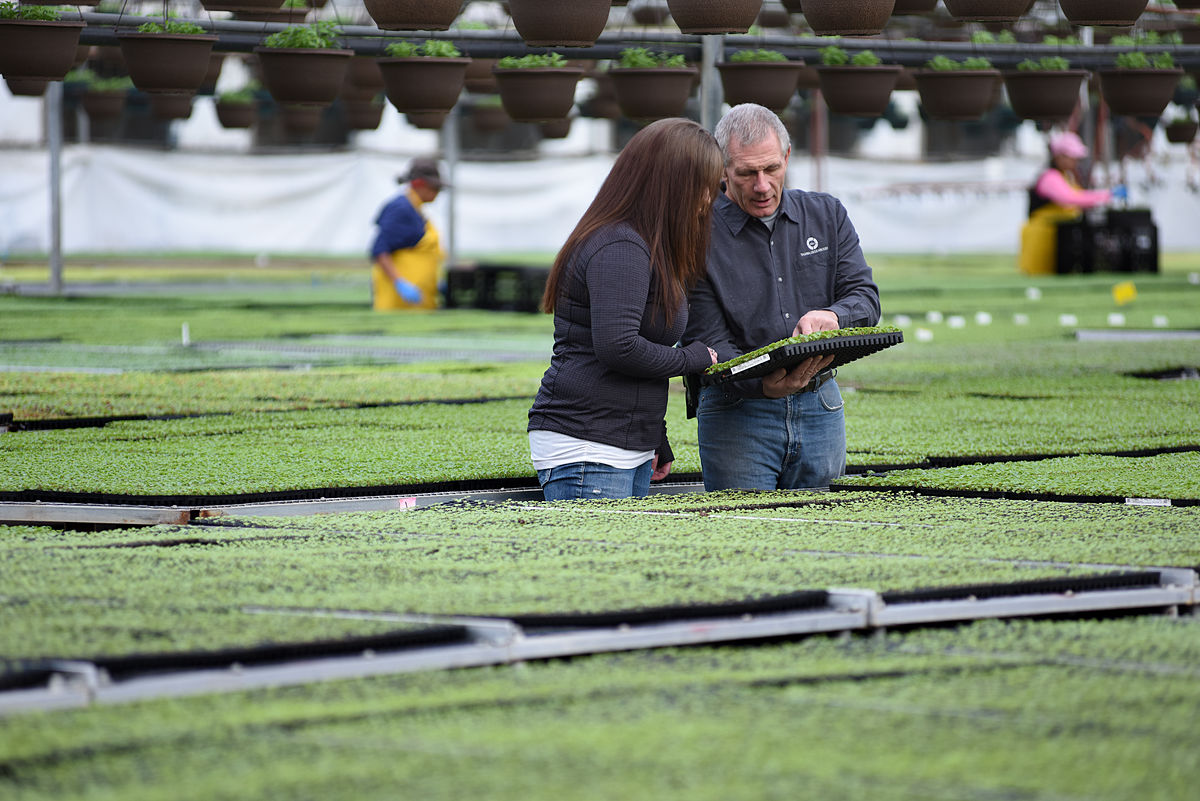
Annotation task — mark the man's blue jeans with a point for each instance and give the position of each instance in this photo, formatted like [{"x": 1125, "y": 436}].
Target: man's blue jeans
[
  {"x": 797, "y": 442},
  {"x": 591, "y": 480}
]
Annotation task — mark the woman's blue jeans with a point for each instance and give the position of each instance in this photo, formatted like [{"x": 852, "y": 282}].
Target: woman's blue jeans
[
  {"x": 591, "y": 480},
  {"x": 797, "y": 442}
]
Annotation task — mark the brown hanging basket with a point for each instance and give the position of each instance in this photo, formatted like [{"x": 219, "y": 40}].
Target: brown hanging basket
[
  {"x": 859, "y": 91},
  {"x": 1181, "y": 132},
  {"x": 556, "y": 129},
  {"x": 914, "y": 7},
  {"x": 1103, "y": 12},
  {"x": 37, "y": 48},
  {"x": 987, "y": 10},
  {"x": 236, "y": 115},
  {"x": 104, "y": 105},
  {"x": 171, "y": 105},
  {"x": 301, "y": 118},
  {"x": 577, "y": 23},
  {"x": 423, "y": 84},
  {"x": 26, "y": 87},
  {"x": 537, "y": 94},
  {"x": 1138, "y": 93},
  {"x": 1047, "y": 95},
  {"x": 957, "y": 94},
  {"x": 166, "y": 62},
  {"x": 767, "y": 83},
  {"x": 715, "y": 16},
  {"x": 652, "y": 93},
  {"x": 426, "y": 120},
  {"x": 362, "y": 115},
  {"x": 841, "y": 18},
  {"x": 303, "y": 76},
  {"x": 413, "y": 15}
]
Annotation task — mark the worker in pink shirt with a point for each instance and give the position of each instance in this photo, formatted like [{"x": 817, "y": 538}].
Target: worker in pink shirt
[{"x": 1056, "y": 198}]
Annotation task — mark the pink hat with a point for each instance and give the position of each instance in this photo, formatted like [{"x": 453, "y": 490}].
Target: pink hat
[{"x": 1068, "y": 144}]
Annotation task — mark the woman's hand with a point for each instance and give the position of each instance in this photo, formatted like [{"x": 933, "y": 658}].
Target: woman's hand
[
  {"x": 713, "y": 355},
  {"x": 659, "y": 472}
]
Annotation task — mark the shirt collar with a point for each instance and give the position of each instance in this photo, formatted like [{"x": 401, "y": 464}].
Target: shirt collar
[{"x": 736, "y": 218}]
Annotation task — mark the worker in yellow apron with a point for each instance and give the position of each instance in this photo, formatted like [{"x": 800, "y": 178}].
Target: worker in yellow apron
[
  {"x": 1057, "y": 198},
  {"x": 407, "y": 253}
]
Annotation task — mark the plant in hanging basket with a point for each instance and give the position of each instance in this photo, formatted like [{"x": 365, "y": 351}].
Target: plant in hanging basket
[
  {"x": 1141, "y": 85},
  {"x": 302, "y": 64},
  {"x": 488, "y": 115},
  {"x": 953, "y": 90},
  {"x": 987, "y": 10},
  {"x": 292, "y": 12},
  {"x": 1045, "y": 89},
  {"x": 536, "y": 88},
  {"x": 841, "y": 18},
  {"x": 578, "y": 23},
  {"x": 170, "y": 56},
  {"x": 764, "y": 77},
  {"x": 651, "y": 86},
  {"x": 1103, "y": 12},
  {"x": 101, "y": 98},
  {"x": 413, "y": 15},
  {"x": 36, "y": 43},
  {"x": 238, "y": 108},
  {"x": 860, "y": 86},
  {"x": 715, "y": 16},
  {"x": 426, "y": 77}
]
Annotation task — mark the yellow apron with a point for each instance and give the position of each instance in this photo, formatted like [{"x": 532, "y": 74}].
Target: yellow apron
[
  {"x": 1039, "y": 237},
  {"x": 421, "y": 265}
]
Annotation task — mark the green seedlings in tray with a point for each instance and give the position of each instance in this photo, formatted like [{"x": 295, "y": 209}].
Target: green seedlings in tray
[{"x": 813, "y": 337}]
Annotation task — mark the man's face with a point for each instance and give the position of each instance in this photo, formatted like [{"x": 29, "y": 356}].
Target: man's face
[
  {"x": 755, "y": 176},
  {"x": 424, "y": 190}
]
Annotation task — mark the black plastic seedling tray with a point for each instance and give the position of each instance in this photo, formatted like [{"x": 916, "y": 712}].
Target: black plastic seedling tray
[{"x": 845, "y": 349}]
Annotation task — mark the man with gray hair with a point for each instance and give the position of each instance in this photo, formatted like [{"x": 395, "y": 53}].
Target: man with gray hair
[{"x": 782, "y": 263}]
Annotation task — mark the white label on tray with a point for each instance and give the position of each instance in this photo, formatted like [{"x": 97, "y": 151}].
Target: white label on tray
[{"x": 737, "y": 368}]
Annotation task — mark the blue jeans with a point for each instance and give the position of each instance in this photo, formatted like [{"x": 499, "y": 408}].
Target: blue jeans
[
  {"x": 797, "y": 442},
  {"x": 591, "y": 480}
]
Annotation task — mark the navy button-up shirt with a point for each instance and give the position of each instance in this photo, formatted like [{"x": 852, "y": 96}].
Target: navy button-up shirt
[{"x": 761, "y": 282}]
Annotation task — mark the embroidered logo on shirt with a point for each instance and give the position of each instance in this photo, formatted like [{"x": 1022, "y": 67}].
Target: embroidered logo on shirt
[{"x": 813, "y": 246}]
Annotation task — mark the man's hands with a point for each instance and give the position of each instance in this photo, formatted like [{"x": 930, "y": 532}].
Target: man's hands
[
  {"x": 659, "y": 472},
  {"x": 782, "y": 383}
]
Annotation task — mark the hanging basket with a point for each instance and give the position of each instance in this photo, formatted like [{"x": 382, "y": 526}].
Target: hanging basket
[
  {"x": 1103, "y": 12},
  {"x": 301, "y": 118},
  {"x": 842, "y": 18},
  {"x": 914, "y": 7},
  {"x": 714, "y": 16},
  {"x": 987, "y": 10},
  {"x": 26, "y": 87},
  {"x": 479, "y": 79},
  {"x": 556, "y": 129},
  {"x": 652, "y": 93},
  {"x": 859, "y": 91},
  {"x": 1046, "y": 95},
  {"x": 1138, "y": 93},
  {"x": 577, "y": 23},
  {"x": 1181, "y": 133},
  {"x": 363, "y": 115},
  {"x": 423, "y": 84},
  {"x": 303, "y": 76},
  {"x": 38, "y": 49},
  {"x": 957, "y": 94},
  {"x": 767, "y": 83},
  {"x": 426, "y": 120},
  {"x": 413, "y": 15},
  {"x": 171, "y": 105},
  {"x": 104, "y": 105},
  {"x": 538, "y": 94},
  {"x": 773, "y": 17},
  {"x": 166, "y": 62},
  {"x": 236, "y": 115}
]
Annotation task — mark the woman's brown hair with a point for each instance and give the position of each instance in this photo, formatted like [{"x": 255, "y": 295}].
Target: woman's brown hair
[{"x": 662, "y": 185}]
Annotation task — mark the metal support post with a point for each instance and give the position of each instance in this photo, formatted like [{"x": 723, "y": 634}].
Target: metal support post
[
  {"x": 54, "y": 142},
  {"x": 711, "y": 94}
]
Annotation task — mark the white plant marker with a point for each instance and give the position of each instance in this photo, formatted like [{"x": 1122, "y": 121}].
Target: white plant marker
[
  {"x": 983, "y": 318},
  {"x": 903, "y": 320},
  {"x": 185, "y": 335},
  {"x": 1194, "y": 278},
  {"x": 1020, "y": 319},
  {"x": 1033, "y": 293},
  {"x": 1068, "y": 319},
  {"x": 924, "y": 335},
  {"x": 1161, "y": 321},
  {"x": 1116, "y": 319},
  {"x": 956, "y": 321},
  {"x": 934, "y": 317}
]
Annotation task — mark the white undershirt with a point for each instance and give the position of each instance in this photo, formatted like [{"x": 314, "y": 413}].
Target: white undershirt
[{"x": 549, "y": 449}]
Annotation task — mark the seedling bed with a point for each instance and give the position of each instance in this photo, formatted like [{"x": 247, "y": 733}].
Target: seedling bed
[{"x": 1006, "y": 495}]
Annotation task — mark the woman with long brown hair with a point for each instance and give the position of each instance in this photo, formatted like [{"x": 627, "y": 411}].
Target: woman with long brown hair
[{"x": 618, "y": 292}]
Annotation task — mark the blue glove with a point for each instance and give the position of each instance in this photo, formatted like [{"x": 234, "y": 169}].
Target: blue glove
[
  {"x": 1120, "y": 192},
  {"x": 408, "y": 290}
]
